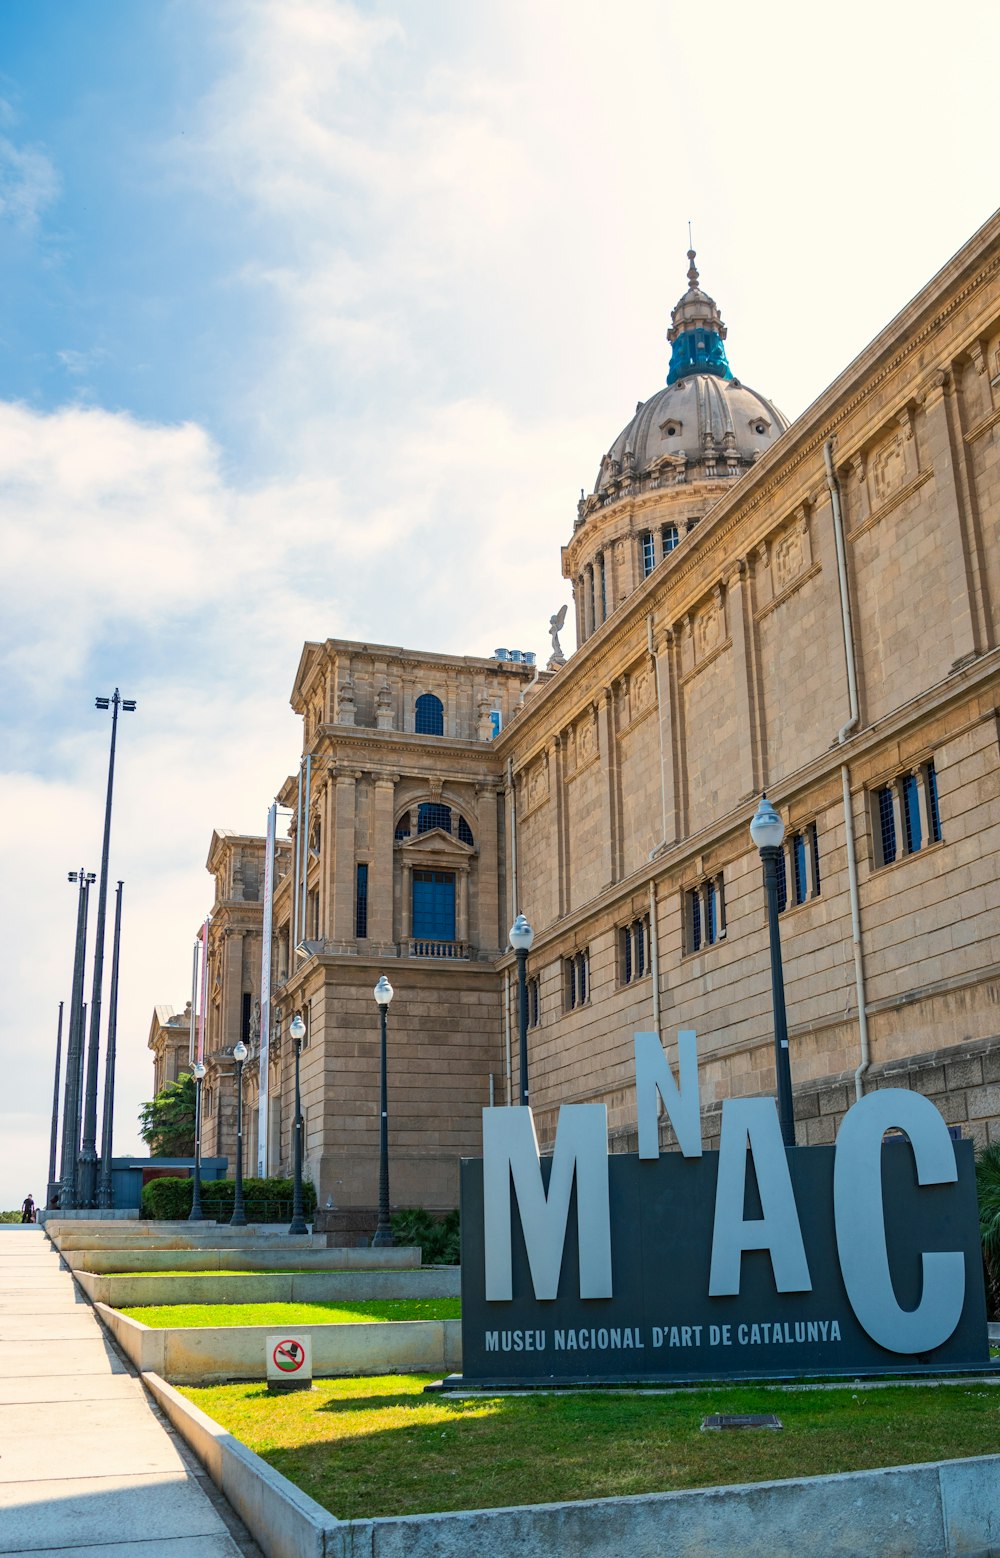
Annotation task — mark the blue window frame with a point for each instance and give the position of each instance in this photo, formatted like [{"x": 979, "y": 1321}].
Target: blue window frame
[
  {"x": 887, "y": 824},
  {"x": 801, "y": 882},
  {"x": 933, "y": 809},
  {"x": 669, "y": 537},
  {"x": 434, "y": 905},
  {"x": 496, "y": 720},
  {"x": 648, "y": 553},
  {"x": 465, "y": 833},
  {"x": 626, "y": 951},
  {"x": 429, "y": 715},
  {"x": 711, "y": 914},
  {"x": 361, "y": 902},
  {"x": 911, "y": 814},
  {"x": 431, "y": 814}
]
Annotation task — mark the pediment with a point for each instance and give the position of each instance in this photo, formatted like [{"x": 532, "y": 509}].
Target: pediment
[{"x": 435, "y": 843}]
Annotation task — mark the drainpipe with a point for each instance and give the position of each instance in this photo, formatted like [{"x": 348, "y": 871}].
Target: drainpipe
[
  {"x": 654, "y": 958},
  {"x": 845, "y": 778}
]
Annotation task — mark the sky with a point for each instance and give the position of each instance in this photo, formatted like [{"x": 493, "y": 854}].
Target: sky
[{"x": 313, "y": 313}]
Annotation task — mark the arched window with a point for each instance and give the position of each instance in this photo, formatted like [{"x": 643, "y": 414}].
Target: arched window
[
  {"x": 465, "y": 833},
  {"x": 429, "y": 715},
  {"x": 431, "y": 814}
]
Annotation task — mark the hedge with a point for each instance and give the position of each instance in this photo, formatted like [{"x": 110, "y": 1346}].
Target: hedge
[
  {"x": 266, "y": 1200},
  {"x": 437, "y": 1236}
]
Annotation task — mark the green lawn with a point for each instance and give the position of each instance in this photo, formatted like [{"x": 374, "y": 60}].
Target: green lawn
[
  {"x": 365, "y": 1447},
  {"x": 185, "y": 1315}
]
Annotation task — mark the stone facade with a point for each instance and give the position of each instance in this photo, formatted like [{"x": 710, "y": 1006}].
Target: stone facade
[{"x": 812, "y": 610}]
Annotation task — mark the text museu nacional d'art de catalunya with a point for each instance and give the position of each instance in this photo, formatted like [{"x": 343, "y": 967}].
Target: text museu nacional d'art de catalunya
[{"x": 752, "y": 1259}]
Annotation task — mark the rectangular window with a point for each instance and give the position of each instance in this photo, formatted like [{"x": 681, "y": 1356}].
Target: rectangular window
[
  {"x": 245, "y": 1016},
  {"x": 496, "y": 720},
  {"x": 639, "y": 947},
  {"x": 434, "y": 905},
  {"x": 633, "y": 956},
  {"x": 625, "y": 950},
  {"x": 577, "y": 969},
  {"x": 887, "y": 825},
  {"x": 815, "y": 856},
  {"x": 933, "y": 809},
  {"x": 533, "y": 1003},
  {"x": 670, "y": 538},
  {"x": 648, "y": 553},
  {"x": 602, "y": 571},
  {"x": 361, "y": 902},
  {"x": 782, "y": 874},
  {"x": 711, "y": 914},
  {"x": 590, "y": 597}
]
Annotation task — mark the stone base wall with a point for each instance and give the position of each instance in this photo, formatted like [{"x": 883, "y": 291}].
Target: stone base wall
[{"x": 962, "y": 1081}]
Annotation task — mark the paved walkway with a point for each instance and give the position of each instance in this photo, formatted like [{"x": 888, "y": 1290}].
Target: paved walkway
[{"x": 87, "y": 1467}]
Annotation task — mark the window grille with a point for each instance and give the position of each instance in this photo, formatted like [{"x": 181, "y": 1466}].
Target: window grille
[
  {"x": 911, "y": 814},
  {"x": 465, "y": 832},
  {"x": 429, "y": 715},
  {"x": 625, "y": 940},
  {"x": 434, "y": 905},
  {"x": 431, "y": 814},
  {"x": 533, "y": 1003},
  {"x": 633, "y": 941},
  {"x": 933, "y": 809},
  {"x": 782, "y": 875},
  {"x": 711, "y": 914},
  {"x": 648, "y": 553},
  {"x": 799, "y": 874},
  {"x": 704, "y": 914},
  {"x": 403, "y": 826},
  {"x": 670, "y": 538},
  {"x": 639, "y": 947},
  {"x": 887, "y": 824},
  {"x": 361, "y": 902},
  {"x": 694, "y": 911}
]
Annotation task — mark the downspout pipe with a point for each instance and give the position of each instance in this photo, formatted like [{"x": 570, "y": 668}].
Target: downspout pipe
[{"x": 845, "y": 777}]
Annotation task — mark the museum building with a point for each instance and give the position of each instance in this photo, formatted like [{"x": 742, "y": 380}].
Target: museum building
[{"x": 812, "y": 609}]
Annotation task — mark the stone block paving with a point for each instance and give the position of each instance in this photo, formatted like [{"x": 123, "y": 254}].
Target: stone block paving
[{"x": 87, "y": 1466}]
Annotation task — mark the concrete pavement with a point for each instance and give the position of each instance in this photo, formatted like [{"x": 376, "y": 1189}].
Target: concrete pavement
[{"x": 87, "y": 1466}]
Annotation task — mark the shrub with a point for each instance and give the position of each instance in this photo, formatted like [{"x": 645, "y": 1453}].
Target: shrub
[
  {"x": 10, "y": 1217},
  {"x": 266, "y": 1200},
  {"x": 437, "y": 1235},
  {"x": 988, "y": 1189}
]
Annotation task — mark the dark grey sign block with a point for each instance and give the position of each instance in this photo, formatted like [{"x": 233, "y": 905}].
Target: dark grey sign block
[{"x": 661, "y": 1322}]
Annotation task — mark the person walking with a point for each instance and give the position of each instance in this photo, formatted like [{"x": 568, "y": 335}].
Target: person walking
[{"x": 28, "y": 1209}]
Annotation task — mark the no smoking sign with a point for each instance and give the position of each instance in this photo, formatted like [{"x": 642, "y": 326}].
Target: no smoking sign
[{"x": 289, "y": 1362}]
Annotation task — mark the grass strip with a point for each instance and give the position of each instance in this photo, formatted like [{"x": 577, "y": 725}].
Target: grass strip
[
  {"x": 183, "y": 1316},
  {"x": 367, "y": 1447}
]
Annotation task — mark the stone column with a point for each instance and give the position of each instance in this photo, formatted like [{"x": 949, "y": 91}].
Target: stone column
[
  {"x": 739, "y": 621},
  {"x": 488, "y": 869},
  {"x": 558, "y": 781},
  {"x": 662, "y": 651},
  {"x": 604, "y": 709},
  {"x": 380, "y": 885},
  {"x": 343, "y": 881},
  {"x": 949, "y": 516}
]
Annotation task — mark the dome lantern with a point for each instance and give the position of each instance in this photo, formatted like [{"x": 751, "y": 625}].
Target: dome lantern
[{"x": 696, "y": 333}]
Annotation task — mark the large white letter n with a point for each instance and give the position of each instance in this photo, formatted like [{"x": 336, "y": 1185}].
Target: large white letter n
[{"x": 510, "y": 1153}]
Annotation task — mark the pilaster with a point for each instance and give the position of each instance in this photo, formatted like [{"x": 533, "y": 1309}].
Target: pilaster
[{"x": 941, "y": 455}]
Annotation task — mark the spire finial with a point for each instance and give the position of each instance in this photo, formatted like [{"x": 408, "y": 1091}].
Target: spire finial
[{"x": 692, "y": 267}]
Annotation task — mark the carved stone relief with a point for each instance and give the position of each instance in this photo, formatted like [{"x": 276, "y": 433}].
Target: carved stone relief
[
  {"x": 538, "y": 781},
  {"x": 789, "y": 557},
  {"x": 640, "y": 691},
  {"x": 888, "y": 468},
  {"x": 707, "y": 630},
  {"x": 586, "y": 740}
]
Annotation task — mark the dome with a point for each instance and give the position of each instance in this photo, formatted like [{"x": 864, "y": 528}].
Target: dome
[{"x": 705, "y": 425}]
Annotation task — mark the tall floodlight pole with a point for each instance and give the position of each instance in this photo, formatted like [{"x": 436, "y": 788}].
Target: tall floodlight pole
[
  {"x": 105, "y": 1189},
  {"x": 74, "y": 1050},
  {"x": 297, "y": 1029},
  {"x": 87, "y": 1188},
  {"x": 383, "y": 1233},
  {"x": 521, "y": 937},
  {"x": 52, "y": 1189},
  {"x": 767, "y": 831}
]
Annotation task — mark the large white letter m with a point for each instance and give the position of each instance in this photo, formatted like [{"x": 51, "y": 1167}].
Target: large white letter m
[{"x": 510, "y": 1154}]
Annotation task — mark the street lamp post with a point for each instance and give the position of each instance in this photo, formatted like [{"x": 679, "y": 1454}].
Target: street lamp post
[
  {"x": 105, "y": 1186},
  {"x": 767, "y": 831},
  {"x": 297, "y": 1029},
  {"x": 383, "y": 1233},
  {"x": 521, "y": 937},
  {"x": 88, "y": 1151},
  {"x": 239, "y": 1217},
  {"x": 74, "y": 1051},
  {"x": 52, "y": 1189},
  {"x": 196, "y": 1215}
]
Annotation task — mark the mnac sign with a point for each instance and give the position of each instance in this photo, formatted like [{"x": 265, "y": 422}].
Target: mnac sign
[{"x": 755, "y": 1259}]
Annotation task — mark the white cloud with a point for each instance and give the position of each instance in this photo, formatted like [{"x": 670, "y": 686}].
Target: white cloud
[{"x": 28, "y": 181}]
